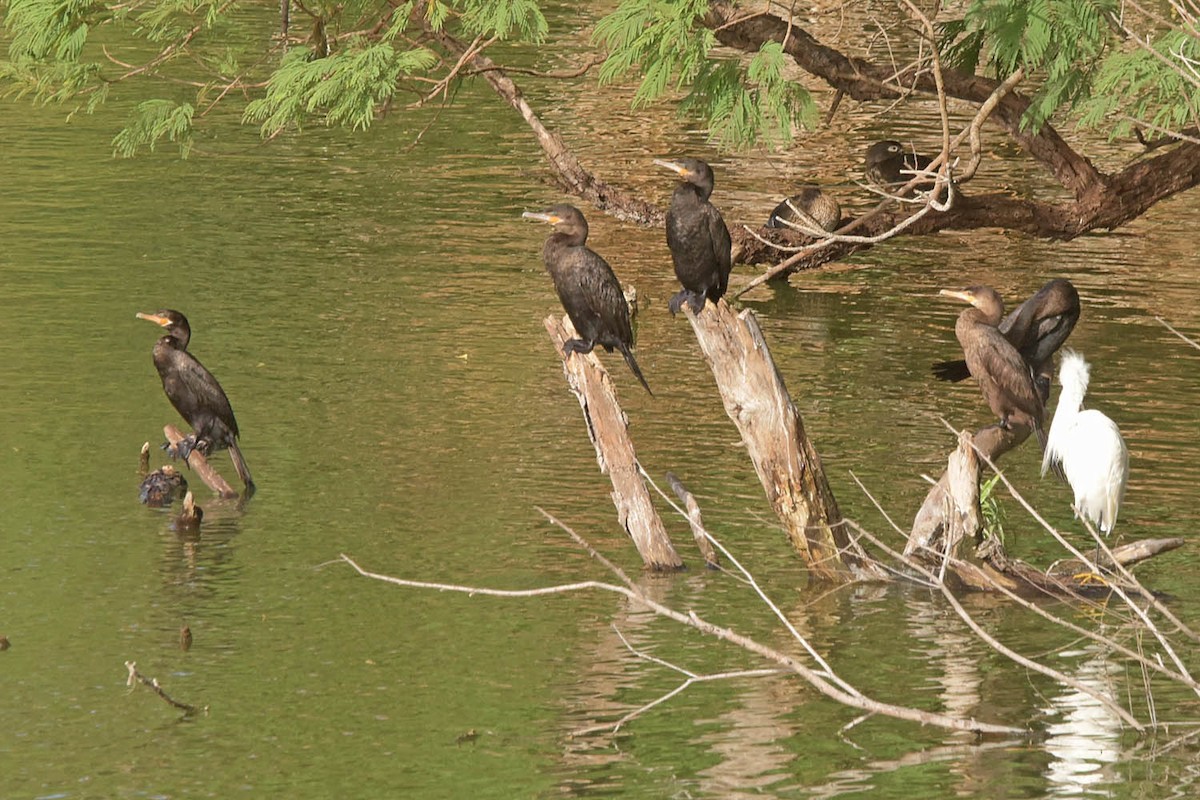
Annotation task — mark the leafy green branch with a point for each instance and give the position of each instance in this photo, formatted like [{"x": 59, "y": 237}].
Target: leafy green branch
[{"x": 742, "y": 102}]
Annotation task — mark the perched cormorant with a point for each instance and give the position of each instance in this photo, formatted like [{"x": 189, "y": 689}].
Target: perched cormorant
[
  {"x": 195, "y": 393},
  {"x": 1088, "y": 446},
  {"x": 587, "y": 287},
  {"x": 1036, "y": 328},
  {"x": 697, "y": 236},
  {"x": 817, "y": 204},
  {"x": 890, "y": 166},
  {"x": 1003, "y": 376}
]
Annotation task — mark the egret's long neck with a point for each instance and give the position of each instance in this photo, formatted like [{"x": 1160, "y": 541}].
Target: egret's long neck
[{"x": 1070, "y": 402}]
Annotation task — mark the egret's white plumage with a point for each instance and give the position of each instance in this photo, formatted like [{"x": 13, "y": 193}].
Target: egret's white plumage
[{"x": 1089, "y": 447}]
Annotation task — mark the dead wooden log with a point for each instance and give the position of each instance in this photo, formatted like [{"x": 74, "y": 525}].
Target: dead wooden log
[
  {"x": 711, "y": 560},
  {"x": 200, "y": 465},
  {"x": 757, "y": 401},
  {"x": 929, "y": 529},
  {"x": 608, "y": 429}
]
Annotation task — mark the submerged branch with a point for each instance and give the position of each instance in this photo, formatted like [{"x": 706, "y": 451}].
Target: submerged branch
[
  {"x": 814, "y": 679},
  {"x": 137, "y": 677}
]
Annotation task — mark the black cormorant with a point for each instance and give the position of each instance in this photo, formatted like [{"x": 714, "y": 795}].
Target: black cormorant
[
  {"x": 587, "y": 287},
  {"x": 1036, "y": 328},
  {"x": 195, "y": 393},
  {"x": 697, "y": 236},
  {"x": 824, "y": 210},
  {"x": 1003, "y": 376}
]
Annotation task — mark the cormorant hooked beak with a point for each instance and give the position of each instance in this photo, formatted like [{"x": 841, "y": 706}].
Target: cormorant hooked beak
[
  {"x": 679, "y": 169},
  {"x": 541, "y": 216},
  {"x": 160, "y": 321},
  {"x": 965, "y": 295}
]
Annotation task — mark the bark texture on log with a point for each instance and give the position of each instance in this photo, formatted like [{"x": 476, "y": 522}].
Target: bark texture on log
[
  {"x": 608, "y": 429},
  {"x": 939, "y": 513},
  {"x": 200, "y": 465},
  {"x": 757, "y": 401}
]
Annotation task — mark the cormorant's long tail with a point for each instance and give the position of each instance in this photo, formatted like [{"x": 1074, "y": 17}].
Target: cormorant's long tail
[
  {"x": 953, "y": 371},
  {"x": 633, "y": 365},
  {"x": 243, "y": 471}
]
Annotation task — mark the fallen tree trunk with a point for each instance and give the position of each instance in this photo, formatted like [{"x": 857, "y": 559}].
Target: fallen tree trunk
[
  {"x": 757, "y": 401},
  {"x": 608, "y": 429}
]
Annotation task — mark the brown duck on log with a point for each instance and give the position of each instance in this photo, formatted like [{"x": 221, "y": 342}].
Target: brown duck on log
[
  {"x": 587, "y": 287},
  {"x": 697, "y": 236},
  {"x": 817, "y": 204},
  {"x": 195, "y": 393},
  {"x": 890, "y": 166},
  {"x": 1037, "y": 329},
  {"x": 1004, "y": 378}
]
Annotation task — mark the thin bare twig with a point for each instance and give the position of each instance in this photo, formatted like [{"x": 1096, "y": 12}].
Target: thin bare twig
[
  {"x": 136, "y": 677},
  {"x": 691, "y": 677},
  {"x": 1168, "y": 326}
]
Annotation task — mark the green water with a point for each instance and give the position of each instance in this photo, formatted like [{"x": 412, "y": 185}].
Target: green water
[{"x": 374, "y": 313}]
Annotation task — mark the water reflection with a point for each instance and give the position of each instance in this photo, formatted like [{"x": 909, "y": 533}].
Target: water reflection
[{"x": 1086, "y": 740}]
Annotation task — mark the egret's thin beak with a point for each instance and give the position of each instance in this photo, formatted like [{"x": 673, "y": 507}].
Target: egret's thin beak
[{"x": 542, "y": 216}]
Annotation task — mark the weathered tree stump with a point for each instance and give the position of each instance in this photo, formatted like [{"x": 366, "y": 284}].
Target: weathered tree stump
[
  {"x": 608, "y": 429},
  {"x": 757, "y": 401},
  {"x": 931, "y": 527}
]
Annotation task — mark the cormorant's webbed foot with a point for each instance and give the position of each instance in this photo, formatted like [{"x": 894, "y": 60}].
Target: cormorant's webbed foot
[
  {"x": 577, "y": 346},
  {"x": 185, "y": 447},
  {"x": 693, "y": 299}
]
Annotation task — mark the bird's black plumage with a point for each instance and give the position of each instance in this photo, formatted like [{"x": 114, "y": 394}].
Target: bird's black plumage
[
  {"x": 697, "y": 237},
  {"x": 814, "y": 202},
  {"x": 195, "y": 393},
  {"x": 1005, "y": 380},
  {"x": 587, "y": 287},
  {"x": 887, "y": 163},
  {"x": 1037, "y": 329}
]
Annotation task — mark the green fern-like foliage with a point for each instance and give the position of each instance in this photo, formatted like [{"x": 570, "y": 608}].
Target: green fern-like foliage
[
  {"x": 658, "y": 38},
  {"x": 1062, "y": 42},
  {"x": 152, "y": 122},
  {"x": 504, "y": 19},
  {"x": 742, "y": 103},
  {"x": 1155, "y": 84},
  {"x": 744, "y": 106},
  {"x": 347, "y": 88},
  {"x": 49, "y": 29}
]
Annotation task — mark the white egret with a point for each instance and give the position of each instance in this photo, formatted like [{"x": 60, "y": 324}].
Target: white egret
[{"x": 1089, "y": 447}]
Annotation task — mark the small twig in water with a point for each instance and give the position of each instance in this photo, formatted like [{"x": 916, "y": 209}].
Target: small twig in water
[{"x": 137, "y": 677}]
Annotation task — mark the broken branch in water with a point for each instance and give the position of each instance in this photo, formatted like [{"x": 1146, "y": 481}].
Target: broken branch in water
[{"x": 137, "y": 677}]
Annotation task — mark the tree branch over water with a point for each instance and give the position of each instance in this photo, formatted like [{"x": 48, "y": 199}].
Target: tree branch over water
[{"x": 826, "y": 683}]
